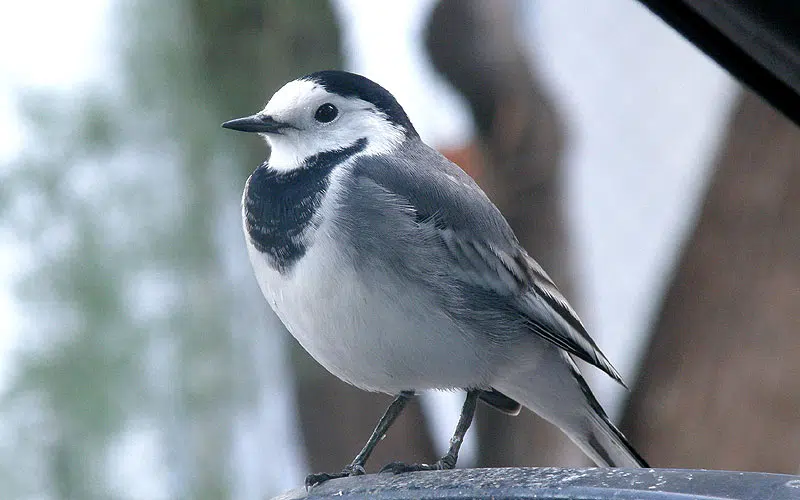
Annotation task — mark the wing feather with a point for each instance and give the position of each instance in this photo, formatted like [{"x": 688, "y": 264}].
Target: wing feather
[{"x": 482, "y": 250}]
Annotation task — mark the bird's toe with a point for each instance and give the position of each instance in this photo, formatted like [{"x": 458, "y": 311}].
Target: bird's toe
[{"x": 320, "y": 477}]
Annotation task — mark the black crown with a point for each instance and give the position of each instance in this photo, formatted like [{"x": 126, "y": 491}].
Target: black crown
[{"x": 352, "y": 85}]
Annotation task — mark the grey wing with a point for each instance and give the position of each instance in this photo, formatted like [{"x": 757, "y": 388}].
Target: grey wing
[{"x": 482, "y": 251}]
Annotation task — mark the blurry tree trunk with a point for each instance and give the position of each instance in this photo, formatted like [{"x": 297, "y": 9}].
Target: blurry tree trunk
[
  {"x": 271, "y": 43},
  {"x": 474, "y": 44},
  {"x": 720, "y": 385}
]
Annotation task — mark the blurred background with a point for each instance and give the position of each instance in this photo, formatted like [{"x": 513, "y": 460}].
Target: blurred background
[{"x": 138, "y": 359}]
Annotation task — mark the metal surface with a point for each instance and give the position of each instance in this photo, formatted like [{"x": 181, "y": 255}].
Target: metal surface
[{"x": 555, "y": 483}]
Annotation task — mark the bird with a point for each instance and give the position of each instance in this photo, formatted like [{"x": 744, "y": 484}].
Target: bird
[{"x": 396, "y": 272}]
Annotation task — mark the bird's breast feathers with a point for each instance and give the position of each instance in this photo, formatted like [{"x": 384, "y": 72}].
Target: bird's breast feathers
[{"x": 361, "y": 322}]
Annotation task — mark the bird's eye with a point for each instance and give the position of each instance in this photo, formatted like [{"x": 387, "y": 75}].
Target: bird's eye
[{"x": 326, "y": 113}]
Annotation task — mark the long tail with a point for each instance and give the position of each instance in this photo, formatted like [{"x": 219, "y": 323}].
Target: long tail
[
  {"x": 556, "y": 390},
  {"x": 602, "y": 441}
]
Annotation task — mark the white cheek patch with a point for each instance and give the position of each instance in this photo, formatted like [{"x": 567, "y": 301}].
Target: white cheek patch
[
  {"x": 290, "y": 149},
  {"x": 358, "y": 119},
  {"x": 383, "y": 137}
]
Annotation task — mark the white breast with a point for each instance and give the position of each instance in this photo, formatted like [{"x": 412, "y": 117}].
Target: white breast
[{"x": 367, "y": 328}]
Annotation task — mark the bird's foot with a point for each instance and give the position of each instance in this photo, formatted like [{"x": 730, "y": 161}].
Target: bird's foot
[
  {"x": 351, "y": 470},
  {"x": 446, "y": 462}
]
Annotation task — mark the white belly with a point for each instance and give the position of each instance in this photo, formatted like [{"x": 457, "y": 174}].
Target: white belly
[{"x": 376, "y": 334}]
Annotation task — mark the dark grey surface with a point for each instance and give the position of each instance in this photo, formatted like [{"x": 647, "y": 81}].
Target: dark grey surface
[{"x": 555, "y": 483}]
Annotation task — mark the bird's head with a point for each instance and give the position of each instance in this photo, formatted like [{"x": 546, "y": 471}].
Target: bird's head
[{"x": 326, "y": 111}]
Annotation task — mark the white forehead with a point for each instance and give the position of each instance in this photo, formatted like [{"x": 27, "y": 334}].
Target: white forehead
[
  {"x": 295, "y": 104},
  {"x": 295, "y": 95}
]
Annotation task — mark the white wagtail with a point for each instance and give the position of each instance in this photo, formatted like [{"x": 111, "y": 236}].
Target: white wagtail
[{"x": 395, "y": 272}]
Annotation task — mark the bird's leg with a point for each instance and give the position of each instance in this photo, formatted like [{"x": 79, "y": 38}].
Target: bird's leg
[
  {"x": 449, "y": 460},
  {"x": 356, "y": 467}
]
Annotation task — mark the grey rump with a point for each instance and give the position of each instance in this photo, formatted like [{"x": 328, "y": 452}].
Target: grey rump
[{"x": 395, "y": 271}]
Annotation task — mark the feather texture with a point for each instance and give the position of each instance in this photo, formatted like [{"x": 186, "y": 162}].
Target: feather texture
[{"x": 482, "y": 252}]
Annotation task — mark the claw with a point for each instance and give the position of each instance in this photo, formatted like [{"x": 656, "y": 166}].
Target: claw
[
  {"x": 402, "y": 468},
  {"x": 319, "y": 478},
  {"x": 355, "y": 470},
  {"x": 394, "y": 468},
  {"x": 315, "y": 479}
]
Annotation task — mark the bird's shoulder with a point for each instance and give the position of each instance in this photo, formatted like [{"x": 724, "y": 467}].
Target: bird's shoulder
[
  {"x": 419, "y": 191},
  {"x": 439, "y": 191}
]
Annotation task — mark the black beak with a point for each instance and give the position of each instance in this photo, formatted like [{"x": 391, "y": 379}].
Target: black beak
[{"x": 255, "y": 123}]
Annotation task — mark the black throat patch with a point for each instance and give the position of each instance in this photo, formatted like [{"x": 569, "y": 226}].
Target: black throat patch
[{"x": 279, "y": 206}]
